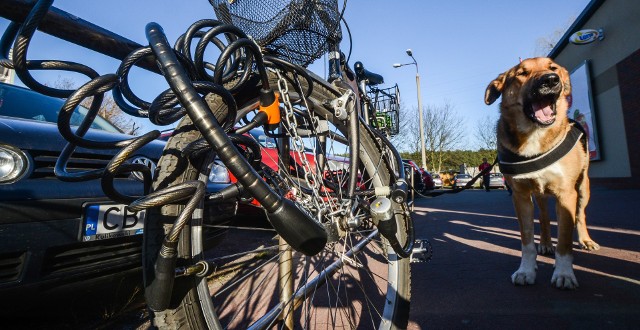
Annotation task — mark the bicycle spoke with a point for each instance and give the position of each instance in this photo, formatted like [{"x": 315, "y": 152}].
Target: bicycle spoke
[
  {"x": 252, "y": 272},
  {"x": 309, "y": 288},
  {"x": 261, "y": 283}
]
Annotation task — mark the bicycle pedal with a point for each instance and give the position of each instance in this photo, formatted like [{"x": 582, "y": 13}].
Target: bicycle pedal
[{"x": 422, "y": 251}]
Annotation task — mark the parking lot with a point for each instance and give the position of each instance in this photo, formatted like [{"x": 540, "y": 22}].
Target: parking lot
[
  {"x": 476, "y": 248},
  {"x": 466, "y": 284}
]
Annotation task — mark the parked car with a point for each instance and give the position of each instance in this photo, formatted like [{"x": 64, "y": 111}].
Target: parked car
[
  {"x": 461, "y": 179},
  {"x": 337, "y": 166},
  {"x": 437, "y": 181},
  {"x": 427, "y": 179},
  {"x": 413, "y": 175},
  {"x": 422, "y": 179},
  {"x": 52, "y": 232},
  {"x": 496, "y": 181}
]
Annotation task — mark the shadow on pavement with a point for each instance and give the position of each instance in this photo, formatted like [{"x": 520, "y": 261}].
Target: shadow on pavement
[
  {"x": 476, "y": 245},
  {"x": 110, "y": 303}
]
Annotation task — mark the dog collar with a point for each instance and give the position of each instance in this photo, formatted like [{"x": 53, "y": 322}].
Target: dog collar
[{"x": 512, "y": 163}]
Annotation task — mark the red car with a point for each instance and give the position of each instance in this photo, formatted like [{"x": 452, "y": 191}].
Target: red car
[
  {"x": 338, "y": 166},
  {"x": 427, "y": 178},
  {"x": 423, "y": 181}
]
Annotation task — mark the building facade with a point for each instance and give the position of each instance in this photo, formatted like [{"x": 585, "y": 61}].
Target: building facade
[{"x": 613, "y": 66}]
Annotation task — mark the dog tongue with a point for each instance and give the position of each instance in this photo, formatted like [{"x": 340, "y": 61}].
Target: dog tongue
[{"x": 543, "y": 111}]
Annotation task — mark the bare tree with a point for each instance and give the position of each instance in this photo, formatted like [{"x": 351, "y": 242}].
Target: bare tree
[
  {"x": 545, "y": 44},
  {"x": 485, "y": 132},
  {"x": 443, "y": 131},
  {"x": 408, "y": 138},
  {"x": 109, "y": 110}
]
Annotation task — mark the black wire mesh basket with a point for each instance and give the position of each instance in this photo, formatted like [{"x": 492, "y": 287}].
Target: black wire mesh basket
[
  {"x": 386, "y": 104},
  {"x": 298, "y": 31}
]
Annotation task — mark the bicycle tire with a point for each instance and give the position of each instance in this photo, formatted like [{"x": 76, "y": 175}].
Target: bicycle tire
[{"x": 192, "y": 306}]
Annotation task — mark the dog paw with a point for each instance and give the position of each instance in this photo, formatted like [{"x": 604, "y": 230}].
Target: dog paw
[
  {"x": 565, "y": 281},
  {"x": 589, "y": 245},
  {"x": 522, "y": 277},
  {"x": 545, "y": 249}
]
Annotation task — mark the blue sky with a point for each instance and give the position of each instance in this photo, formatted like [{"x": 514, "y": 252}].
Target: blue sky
[{"x": 460, "y": 46}]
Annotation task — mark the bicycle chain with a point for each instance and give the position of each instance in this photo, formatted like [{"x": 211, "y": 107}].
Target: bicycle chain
[{"x": 312, "y": 181}]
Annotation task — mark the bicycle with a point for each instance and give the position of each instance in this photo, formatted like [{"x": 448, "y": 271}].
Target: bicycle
[{"x": 337, "y": 255}]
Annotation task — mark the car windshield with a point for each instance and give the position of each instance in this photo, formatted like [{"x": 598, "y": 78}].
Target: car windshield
[
  {"x": 22, "y": 103},
  {"x": 410, "y": 163},
  {"x": 264, "y": 140},
  {"x": 463, "y": 176},
  {"x": 338, "y": 164}
]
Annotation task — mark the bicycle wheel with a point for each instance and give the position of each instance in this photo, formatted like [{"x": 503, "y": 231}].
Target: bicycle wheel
[{"x": 357, "y": 281}]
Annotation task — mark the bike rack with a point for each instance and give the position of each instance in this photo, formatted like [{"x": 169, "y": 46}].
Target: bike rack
[{"x": 412, "y": 196}]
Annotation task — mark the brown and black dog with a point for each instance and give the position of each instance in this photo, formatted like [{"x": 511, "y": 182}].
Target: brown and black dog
[{"x": 533, "y": 124}]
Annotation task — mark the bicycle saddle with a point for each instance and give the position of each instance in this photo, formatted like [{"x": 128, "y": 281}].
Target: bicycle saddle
[{"x": 363, "y": 74}]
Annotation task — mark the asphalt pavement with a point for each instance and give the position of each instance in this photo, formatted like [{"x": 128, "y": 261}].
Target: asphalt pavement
[
  {"x": 476, "y": 248},
  {"x": 466, "y": 284}
]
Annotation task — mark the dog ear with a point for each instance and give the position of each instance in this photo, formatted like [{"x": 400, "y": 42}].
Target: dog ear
[{"x": 494, "y": 90}]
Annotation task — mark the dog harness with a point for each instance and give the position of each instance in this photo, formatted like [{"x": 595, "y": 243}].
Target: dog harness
[{"x": 512, "y": 163}]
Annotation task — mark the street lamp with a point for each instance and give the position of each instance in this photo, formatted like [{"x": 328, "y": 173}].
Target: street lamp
[{"x": 422, "y": 147}]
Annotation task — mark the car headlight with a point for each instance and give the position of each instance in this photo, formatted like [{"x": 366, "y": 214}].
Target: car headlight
[
  {"x": 13, "y": 164},
  {"x": 219, "y": 173}
]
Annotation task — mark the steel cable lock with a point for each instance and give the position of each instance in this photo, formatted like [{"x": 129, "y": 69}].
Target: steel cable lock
[{"x": 304, "y": 234}]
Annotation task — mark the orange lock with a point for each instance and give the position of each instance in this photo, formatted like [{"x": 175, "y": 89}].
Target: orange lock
[{"x": 270, "y": 105}]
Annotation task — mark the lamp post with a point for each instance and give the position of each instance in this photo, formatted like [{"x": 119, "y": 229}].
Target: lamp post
[{"x": 422, "y": 147}]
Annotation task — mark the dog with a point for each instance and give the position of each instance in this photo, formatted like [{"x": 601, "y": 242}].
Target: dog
[{"x": 532, "y": 129}]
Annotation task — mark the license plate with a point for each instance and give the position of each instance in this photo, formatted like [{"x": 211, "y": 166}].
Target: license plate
[{"x": 104, "y": 221}]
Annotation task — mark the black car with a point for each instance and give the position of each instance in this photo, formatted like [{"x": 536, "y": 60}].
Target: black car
[{"x": 52, "y": 232}]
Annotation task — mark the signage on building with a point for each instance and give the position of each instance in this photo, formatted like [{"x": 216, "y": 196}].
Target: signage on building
[
  {"x": 582, "y": 108},
  {"x": 586, "y": 36}
]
